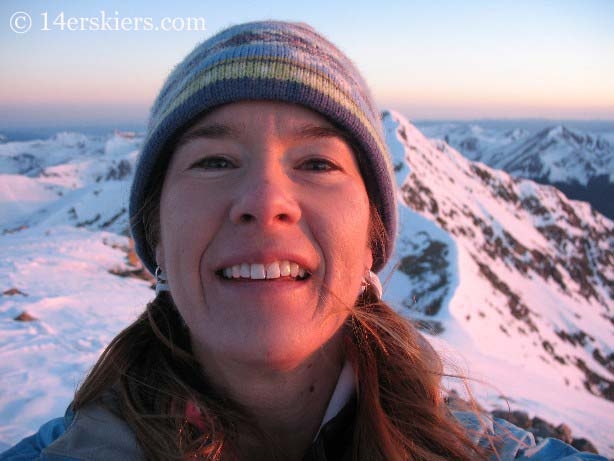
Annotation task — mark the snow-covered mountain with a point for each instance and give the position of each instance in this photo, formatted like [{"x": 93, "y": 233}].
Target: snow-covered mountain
[
  {"x": 513, "y": 282},
  {"x": 580, "y": 164},
  {"x": 509, "y": 272}
]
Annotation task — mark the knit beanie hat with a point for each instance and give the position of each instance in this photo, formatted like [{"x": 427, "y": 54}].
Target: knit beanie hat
[{"x": 267, "y": 60}]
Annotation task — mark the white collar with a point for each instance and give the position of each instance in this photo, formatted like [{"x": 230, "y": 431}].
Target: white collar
[{"x": 344, "y": 390}]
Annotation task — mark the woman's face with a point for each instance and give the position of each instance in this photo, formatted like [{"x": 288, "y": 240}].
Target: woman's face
[{"x": 264, "y": 222}]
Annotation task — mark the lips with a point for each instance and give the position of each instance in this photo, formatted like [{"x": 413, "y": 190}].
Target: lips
[{"x": 269, "y": 271}]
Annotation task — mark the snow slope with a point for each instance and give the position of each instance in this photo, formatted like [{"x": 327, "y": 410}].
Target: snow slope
[{"x": 62, "y": 238}]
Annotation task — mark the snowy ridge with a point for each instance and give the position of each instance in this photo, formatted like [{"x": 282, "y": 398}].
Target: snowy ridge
[
  {"x": 514, "y": 281},
  {"x": 508, "y": 272}
]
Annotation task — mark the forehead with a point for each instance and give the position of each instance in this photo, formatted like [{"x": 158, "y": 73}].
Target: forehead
[{"x": 274, "y": 117}]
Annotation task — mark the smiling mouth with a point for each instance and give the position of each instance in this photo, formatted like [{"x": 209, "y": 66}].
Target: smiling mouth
[{"x": 275, "y": 270}]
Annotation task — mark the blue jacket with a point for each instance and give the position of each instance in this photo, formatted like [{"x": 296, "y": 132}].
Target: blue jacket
[{"x": 96, "y": 434}]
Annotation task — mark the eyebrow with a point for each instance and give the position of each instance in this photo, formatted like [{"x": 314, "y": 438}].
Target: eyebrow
[
  {"x": 220, "y": 131},
  {"x": 309, "y": 131},
  {"x": 215, "y": 131}
]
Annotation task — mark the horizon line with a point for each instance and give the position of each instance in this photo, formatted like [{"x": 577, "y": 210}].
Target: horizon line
[{"x": 48, "y": 124}]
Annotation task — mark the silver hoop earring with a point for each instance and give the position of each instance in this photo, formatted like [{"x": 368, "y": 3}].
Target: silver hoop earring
[
  {"x": 161, "y": 284},
  {"x": 371, "y": 279}
]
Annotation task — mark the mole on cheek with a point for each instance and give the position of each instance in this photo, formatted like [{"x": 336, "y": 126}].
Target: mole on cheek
[{"x": 312, "y": 388}]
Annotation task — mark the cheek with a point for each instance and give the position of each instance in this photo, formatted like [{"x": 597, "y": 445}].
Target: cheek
[
  {"x": 183, "y": 210},
  {"x": 186, "y": 229},
  {"x": 347, "y": 234},
  {"x": 354, "y": 217}
]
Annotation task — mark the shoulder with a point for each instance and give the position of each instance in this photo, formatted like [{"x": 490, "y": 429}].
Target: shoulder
[
  {"x": 94, "y": 433},
  {"x": 31, "y": 447},
  {"x": 515, "y": 444}
]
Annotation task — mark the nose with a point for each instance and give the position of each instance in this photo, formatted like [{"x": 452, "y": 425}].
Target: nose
[{"x": 265, "y": 198}]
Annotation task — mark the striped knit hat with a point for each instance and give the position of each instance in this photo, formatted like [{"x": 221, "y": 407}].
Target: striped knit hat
[{"x": 267, "y": 60}]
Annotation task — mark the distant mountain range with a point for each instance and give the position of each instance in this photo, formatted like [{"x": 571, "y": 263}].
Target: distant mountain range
[{"x": 579, "y": 164}]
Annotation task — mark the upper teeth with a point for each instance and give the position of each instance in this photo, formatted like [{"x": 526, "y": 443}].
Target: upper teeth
[{"x": 273, "y": 270}]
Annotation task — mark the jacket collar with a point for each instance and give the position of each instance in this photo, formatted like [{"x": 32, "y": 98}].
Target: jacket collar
[{"x": 344, "y": 391}]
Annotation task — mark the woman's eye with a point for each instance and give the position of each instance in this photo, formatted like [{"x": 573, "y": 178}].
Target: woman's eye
[
  {"x": 319, "y": 164},
  {"x": 213, "y": 163}
]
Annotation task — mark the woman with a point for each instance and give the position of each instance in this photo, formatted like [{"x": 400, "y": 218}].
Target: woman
[{"x": 264, "y": 203}]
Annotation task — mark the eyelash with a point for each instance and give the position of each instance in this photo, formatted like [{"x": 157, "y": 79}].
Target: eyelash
[
  {"x": 328, "y": 165},
  {"x": 319, "y": 165},
  {"x": 213, "y": 163}
]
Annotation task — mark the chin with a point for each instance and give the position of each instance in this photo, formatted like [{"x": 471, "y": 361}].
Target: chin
[{"x": 285, "y": 349}]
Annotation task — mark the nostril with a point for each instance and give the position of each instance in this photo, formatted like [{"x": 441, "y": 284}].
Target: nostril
[
  {"x": 248, "y": 218},
  {"x": 283, "y": 217}
]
